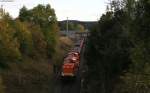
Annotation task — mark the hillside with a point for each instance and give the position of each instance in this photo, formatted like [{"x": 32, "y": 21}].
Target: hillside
[{"x": 86, "y": 24}]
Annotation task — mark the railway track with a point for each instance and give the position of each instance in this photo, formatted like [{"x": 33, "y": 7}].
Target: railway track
[{"x": 71, "y": 86}]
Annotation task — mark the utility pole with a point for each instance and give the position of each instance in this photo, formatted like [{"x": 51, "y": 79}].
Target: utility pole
[{"x": 67, "y": 28}]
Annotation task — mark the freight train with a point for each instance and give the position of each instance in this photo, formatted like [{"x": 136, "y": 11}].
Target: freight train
[{"x": 71, "y": 62}]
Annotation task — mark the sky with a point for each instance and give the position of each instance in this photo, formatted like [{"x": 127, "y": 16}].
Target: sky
[{"x": 84, "y": 10}]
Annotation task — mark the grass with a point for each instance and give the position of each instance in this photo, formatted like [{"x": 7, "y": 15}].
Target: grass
[{"x": 30, "y": 76}]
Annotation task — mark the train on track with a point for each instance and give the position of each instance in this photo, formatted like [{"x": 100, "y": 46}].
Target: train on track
[{"x": 71, "y": 61}]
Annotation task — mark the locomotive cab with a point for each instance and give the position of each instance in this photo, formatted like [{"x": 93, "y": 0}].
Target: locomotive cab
[{"x": 69, "y": 70}]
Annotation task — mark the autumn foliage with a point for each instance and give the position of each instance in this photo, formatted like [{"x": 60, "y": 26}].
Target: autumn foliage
[{"x": 27, "y": 47}]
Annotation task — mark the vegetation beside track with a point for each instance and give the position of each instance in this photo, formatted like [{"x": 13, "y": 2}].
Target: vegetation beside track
[
  {"x": 118, "y": 49},
  {"x": 29, "y": 46}
]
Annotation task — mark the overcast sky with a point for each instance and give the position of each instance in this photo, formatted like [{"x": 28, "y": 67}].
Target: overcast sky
[{"x": 85, "y": 10}]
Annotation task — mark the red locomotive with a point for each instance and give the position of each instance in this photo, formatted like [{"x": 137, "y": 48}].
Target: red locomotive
[{"x": 72, "y": 61}]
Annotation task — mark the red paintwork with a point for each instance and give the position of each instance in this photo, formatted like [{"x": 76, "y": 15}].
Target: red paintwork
[{"x": 71, "y": 62}]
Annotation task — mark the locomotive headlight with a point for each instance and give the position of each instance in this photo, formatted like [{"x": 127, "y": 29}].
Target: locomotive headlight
[{"x": 62, "y": 73}]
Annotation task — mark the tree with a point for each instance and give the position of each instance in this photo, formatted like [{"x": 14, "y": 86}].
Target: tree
[
  {"x": 9, "y": 47},
  {"x": 118, "y": 47},
  {"x": 24, "y": 14},
  {"x": 24, "y": 37},
  {"x": 45, "y": 18},
  {"x": 80, "y": 28},
  {"x": 107, "y": 52}
]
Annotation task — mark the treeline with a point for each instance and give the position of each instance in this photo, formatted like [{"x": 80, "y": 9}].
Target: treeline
[
  {"x": 75, "y": 25},
  {"x": 32, "y": 34},
  {"x": 28, "y": 47},
  {"x": 118, "y": 49}
]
